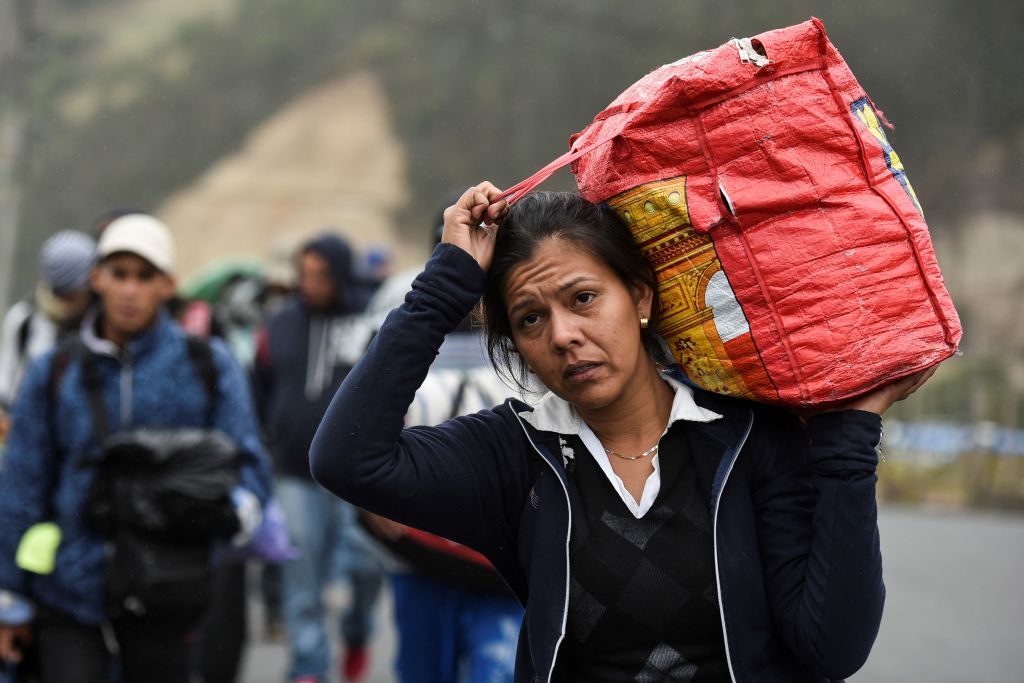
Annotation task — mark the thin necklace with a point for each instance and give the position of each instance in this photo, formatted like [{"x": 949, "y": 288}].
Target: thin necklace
[{"x": 653, "y": 450}]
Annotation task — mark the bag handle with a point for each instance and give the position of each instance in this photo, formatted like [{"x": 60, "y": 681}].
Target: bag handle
[{"x": 516, "y": 192}]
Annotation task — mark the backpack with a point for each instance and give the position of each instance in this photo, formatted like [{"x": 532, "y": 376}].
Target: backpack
[{"x": 160, "y": 495}]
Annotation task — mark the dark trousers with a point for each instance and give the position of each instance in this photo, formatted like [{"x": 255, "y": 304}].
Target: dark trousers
[
  {"x": 151, "y": 650},
  {"x": 272, "y": 589},
  {"x": 222, "y": 636}
]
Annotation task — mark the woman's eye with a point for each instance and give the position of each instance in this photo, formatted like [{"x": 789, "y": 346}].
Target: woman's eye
[
  {"x": 529, "y": 320},
  {"x": 585, "y": 297}
]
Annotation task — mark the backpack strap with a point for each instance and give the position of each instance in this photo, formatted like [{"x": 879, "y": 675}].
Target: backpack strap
[
  {"x": 200, "y": 353},
  {"x": 92, "y": 383},
  {"x": 23, "y": 331},
  {"x": 66, "y": 352}
]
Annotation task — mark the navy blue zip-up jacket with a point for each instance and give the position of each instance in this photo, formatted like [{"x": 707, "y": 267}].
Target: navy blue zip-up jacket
[
  {"x": 796, "y": 538},
  {"x": 301, "y": 357}
]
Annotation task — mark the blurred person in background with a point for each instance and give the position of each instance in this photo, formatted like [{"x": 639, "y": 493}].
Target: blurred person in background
[
  {"x": 302, "y": 355},
  {"x": 225, "y": 300},
  {"x": 456, "y": 618},
  {"x": 280, "y": 277},
  {"x": 77, "y": 577},
  {"x": 279, "y": 282},
  {"x": 374, "y": 268},
  {"x": 35, "y": 326}
]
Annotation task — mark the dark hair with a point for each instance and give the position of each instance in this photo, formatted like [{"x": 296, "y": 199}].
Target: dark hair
[{"x": 593, "y": 228}]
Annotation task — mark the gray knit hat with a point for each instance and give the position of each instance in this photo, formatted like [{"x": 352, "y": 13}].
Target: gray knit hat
[{"x": 66, "y": 260}]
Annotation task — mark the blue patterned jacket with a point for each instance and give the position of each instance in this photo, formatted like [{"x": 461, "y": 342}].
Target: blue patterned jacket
[{"x": 153, "y": 383}]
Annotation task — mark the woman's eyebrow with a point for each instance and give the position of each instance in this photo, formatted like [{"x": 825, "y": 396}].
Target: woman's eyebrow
[
  {"x": 575, "y": 281},
  {"x": 529, "y": 299},
  {"x": 522, "y": 303}
]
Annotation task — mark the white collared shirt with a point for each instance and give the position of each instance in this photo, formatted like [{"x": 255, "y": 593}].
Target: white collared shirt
[{"x": 553, "y": 414}]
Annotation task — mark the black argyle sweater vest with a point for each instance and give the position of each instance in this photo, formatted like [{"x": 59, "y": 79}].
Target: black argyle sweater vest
[{"x": 643, "y": 604}]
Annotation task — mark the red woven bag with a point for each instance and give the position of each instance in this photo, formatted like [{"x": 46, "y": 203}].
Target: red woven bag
[{"x": 793, "y": 259}]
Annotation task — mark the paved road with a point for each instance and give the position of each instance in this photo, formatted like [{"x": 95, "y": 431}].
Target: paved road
[
  {"x": 954, "y": 612},
  {"x": 955, "y": 602}
]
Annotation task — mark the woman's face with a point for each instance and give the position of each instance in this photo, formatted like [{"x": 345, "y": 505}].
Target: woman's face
[{"x": 576, "y": 324}]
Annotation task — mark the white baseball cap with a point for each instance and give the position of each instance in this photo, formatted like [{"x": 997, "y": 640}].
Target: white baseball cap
[{"x": 139, "y": 234}]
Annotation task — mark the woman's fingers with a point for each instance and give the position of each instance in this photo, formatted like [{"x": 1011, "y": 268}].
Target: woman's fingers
[
  {"x": 477, "y": 201},
  {"x": 463, "y": 219},
  {"x": 915, "y": 381},
  {"x": 489, "y": 190},
  {"x": 881, "y": 399},
  {"x": 484, "y": 208},
  {"x": 496, "y": 212},
  {"x": 480, "y": 204}
]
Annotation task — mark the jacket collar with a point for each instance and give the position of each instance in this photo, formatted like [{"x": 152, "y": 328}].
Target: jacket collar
[
  {"x": 554, "y": 414},
  {"x": 91, "y": 339},
  {"x": 714, "y": 442}
]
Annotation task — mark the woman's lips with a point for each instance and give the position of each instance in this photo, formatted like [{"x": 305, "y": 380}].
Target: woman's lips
[{"x": 581, "y": 372}]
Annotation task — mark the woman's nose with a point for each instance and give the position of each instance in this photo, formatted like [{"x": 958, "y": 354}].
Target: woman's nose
[{"x": 565, "y": 331}]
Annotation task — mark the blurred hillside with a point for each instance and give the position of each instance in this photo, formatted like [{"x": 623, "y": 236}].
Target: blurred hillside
[
  {"x": 328, "y": 159},
  {"x": 168, "y": 105}
]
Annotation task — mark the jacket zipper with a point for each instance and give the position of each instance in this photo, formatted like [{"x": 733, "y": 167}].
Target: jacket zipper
[
  {"x": 126, "y": 390},
  {"x": 568, "y": 534},
  {"x": 718, "y": 577}
]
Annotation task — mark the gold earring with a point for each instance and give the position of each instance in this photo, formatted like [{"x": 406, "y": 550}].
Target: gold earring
[{"x": 643, "y": 323}]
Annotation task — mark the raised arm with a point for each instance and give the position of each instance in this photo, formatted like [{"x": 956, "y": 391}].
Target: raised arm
[
  {"x": 463, "y": 479},
  {"x": 457, "y": 479}
]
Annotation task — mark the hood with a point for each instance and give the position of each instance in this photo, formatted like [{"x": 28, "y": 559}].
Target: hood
[{"x": 338, "y": 255}]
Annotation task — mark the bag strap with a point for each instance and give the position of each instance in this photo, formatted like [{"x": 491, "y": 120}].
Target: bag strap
[
  {"x": 23, "y": 332},
  {"x": 516, "y": 192},
  {"x": 92, "y": 382},
  {"x": 201, "y": 355},
  {"x": 59, "y": 363}
]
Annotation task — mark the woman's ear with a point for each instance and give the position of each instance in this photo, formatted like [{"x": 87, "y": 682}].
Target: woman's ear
[
  {"x": 511, "y": 348},
  {"x": 643, "y": 296}
]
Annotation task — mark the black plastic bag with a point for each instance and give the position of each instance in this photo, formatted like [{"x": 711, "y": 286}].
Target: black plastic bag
[
  {"x": 166, "y": 483},
  {"x": 154, "y": 577}
]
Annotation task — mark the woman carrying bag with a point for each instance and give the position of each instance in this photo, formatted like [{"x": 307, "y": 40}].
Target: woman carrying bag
[{"x": 653, "y": 531}]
